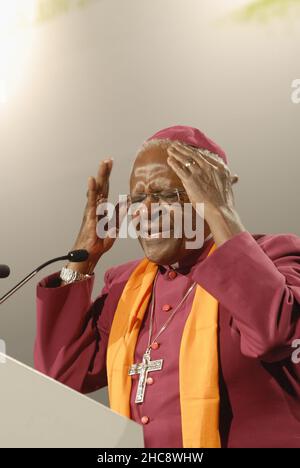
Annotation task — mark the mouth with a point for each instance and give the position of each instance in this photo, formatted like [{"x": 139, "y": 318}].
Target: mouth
[
  {"x": 161, "y": 226},
  {"x": 157, "y": 235}
]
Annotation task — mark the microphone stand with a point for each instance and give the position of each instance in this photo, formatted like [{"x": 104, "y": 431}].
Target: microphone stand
[{"x": 71, "y": 257}]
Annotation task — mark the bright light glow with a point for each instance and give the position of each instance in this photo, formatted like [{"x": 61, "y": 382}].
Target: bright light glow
[
  {"x": 227, "y": 6},
  {"x": 219, "y": 10},
  {"x": 233, "y": 4},
  {"x": 16, "y": 18},
  {"x": 238, "y": 3}
]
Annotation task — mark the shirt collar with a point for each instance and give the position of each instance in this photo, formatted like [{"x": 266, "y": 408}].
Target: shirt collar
[{"x": 190, "y": 259}]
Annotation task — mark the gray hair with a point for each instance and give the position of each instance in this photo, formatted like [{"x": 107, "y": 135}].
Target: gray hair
[{"x": 165, "y": 143}]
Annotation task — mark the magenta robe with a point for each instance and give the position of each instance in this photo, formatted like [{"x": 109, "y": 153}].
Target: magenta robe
[{"x": 256, "y": 279}]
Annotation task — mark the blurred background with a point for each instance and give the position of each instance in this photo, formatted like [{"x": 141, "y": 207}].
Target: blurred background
[{"x": 82, "y": 80}]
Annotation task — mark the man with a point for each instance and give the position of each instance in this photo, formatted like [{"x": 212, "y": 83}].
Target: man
[{"x": 196, "y": 345}]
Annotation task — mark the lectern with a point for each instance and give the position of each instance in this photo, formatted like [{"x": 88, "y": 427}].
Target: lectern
[{"x": 37, "y": 411}]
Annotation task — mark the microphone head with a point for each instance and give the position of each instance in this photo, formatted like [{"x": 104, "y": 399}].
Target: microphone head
[
  {"x": 4, "y": 271},
  {"x": 78, "y": 255}
]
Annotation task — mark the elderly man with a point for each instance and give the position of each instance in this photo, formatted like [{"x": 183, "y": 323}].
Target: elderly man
[{"x": 198, "y": 345}]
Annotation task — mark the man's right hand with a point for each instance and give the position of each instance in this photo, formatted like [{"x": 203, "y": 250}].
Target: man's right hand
[{"x": 87, "y": 238}]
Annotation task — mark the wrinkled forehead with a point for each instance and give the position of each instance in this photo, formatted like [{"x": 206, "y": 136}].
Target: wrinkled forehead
[{"x": 151, "y": 167}]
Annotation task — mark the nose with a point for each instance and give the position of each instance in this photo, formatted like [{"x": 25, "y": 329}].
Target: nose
[
  {"x": 145, "y": 208},
  {"x": 147, "y": 203}
]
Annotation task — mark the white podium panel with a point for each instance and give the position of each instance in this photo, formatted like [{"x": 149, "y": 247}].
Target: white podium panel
[{"x": 37, "y": 411}]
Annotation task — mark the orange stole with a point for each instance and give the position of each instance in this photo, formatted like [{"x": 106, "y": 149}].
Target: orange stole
[{"x": 198, "y": 357}]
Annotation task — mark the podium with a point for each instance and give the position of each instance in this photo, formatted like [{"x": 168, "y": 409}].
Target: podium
[{"x": 39, "y": 412}]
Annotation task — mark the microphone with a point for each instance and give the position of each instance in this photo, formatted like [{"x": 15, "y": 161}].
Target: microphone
[
  {"x": 4, "y": 271},
  {"x": 77, "y": 256},
  {"x": 73, "y": 256}
]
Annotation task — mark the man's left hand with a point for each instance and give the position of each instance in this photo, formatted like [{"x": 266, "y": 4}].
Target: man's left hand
[{"x": 207, "y": 179}]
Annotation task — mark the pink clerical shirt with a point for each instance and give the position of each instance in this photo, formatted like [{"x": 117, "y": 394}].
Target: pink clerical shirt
[
  {"x": 160, "y": 411},
  {"x": 256, "y": 279}
]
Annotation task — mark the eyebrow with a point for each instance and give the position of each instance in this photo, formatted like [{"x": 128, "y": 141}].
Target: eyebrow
[{"x": 170, "y": 189}]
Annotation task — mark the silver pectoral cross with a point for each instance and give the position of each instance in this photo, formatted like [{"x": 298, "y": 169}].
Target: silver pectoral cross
[{"x": 143, "y": 368}]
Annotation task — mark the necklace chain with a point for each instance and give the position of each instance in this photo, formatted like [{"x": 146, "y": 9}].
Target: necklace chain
[{"x": 169, "y": 319}]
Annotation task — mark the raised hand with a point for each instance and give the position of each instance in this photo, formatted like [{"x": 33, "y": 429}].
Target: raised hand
[
  {"x": 98, "y": 188},
  {"x": 206, "y": 179}
]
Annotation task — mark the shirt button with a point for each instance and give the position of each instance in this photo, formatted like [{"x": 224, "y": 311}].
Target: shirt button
[
  {"x": 145, "y": 420},
  {"x": 155, "y": 345},
  {"x": 172, "y": 274},
  {"x": 150, "y": 380},
  {"x": 166, "y": 307}
]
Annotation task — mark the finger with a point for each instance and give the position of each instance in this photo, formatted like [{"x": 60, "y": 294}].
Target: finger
[
  {"x": 91, "y": 195},
  {"x": 182, "y": 149},
  {"x": 102, "y": 178},
  {"x": 93, "y": 198},
  {"x": 195, "y": 159},
  {"x": 177, "y": 167},
  {"x": 90, "y": 184},
  {"x": 91, "y": 191},
  {"x": 182, "y": 155},
  {"x": 190, "y": 153},
  {"x": 121, "y": 210},
  {"x": 214, "y": 160},
  {"x": 196, "y": 155}
]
